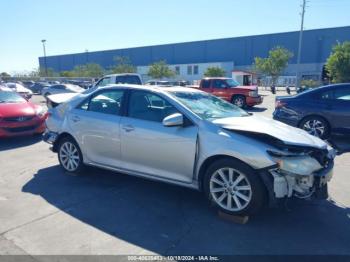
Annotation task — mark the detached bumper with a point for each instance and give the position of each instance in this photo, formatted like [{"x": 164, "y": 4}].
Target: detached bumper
[
  {"x": 50, "y": 138},
  {"x": 281, "y": 186}
]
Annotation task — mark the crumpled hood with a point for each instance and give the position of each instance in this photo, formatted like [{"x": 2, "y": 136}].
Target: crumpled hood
[{"x": 263, "y": 125}]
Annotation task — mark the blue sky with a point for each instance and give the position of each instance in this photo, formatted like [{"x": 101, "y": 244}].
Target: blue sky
[{"x": 71, "y": 26}]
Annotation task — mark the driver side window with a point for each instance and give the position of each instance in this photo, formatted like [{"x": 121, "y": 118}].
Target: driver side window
[
  {"x": 150, "y": 107},
  {"x": 219, "y": 84}
]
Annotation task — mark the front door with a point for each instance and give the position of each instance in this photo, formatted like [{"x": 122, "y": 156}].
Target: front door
[
  {"x": 152, "y": 149},
  {"x": 220, "y": 89}
]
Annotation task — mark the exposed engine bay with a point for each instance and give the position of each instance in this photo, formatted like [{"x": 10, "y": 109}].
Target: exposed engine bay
[{"x": 301, "y": 171}]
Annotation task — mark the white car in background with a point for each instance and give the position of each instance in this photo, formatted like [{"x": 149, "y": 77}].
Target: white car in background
[
  {"x": 127, "y": 78},
  {"x": 61, "y": 89},
  {"x": 53, "y": 100},
  {"x": 20, "y": 89}
]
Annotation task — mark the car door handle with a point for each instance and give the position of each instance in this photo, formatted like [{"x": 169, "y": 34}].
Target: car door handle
[
  {"x": 128, "y": 128},
  {"x": 76, "y": 119}
]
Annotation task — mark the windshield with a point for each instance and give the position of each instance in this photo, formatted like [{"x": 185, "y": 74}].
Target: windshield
[
  {"x": 208, "y": 107},
  {"x": 231, "y": 82},
  {"x": 10, "y": 97}
]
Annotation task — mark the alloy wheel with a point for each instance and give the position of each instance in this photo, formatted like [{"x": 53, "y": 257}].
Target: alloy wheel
[
  {"x": 239, "y": 102},
  {"x": 230, "y": 189},
  {"x": 69, "y": 156},
  {"x": 314, "y": 127}
]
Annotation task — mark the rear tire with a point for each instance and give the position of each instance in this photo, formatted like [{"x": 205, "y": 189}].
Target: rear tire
[
  {"x": 316, "y": 126},
  {"x": 239, "y": 101},
  {"x": 70, "y": 156},
  {"x": 234, "y": 188}
]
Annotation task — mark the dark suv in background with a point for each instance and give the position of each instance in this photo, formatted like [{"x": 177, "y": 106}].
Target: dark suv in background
[{"x": 320, "y": 111}]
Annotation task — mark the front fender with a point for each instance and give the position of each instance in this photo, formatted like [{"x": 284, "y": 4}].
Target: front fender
[{"x": 230, "y": 144}]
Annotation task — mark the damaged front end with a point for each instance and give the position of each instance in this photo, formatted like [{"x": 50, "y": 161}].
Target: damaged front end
[
  {"x": 301, "y": 171},
  {"x": 303, "y": 174}
]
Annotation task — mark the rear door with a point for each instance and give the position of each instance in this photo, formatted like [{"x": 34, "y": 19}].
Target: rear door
[
  {"x": 95, "y": 123},
  {"x": 333, "y": 103},
  {"x": 150, "y": 148},
  {"x": 340, "y": 109}
]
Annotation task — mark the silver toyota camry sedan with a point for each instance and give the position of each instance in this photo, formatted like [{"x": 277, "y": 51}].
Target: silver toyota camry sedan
[{"x": 186, "y": 137}]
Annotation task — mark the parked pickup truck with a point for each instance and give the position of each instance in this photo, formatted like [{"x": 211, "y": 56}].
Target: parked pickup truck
[{"x": 230, "y": 90}]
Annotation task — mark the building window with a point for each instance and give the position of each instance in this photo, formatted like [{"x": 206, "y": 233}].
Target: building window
[
  {"x": 177, "y": 70},
  {"x": 195, "y": 70},
  {"x": 189, "y": 70}
]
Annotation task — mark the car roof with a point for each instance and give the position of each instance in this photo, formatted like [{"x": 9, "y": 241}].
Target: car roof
[
  {"x": 210, "y": 78},
  {"x": 156, "y": 89},
  {"x": 124, "y": 74}
]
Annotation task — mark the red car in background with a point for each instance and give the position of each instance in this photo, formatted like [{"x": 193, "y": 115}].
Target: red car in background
[
  {"x": 20, "y": 117},
  {"x": 230, "y": 90}
]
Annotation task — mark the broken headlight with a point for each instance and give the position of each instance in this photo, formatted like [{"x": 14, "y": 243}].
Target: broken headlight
[{"x": 298, "y": 164}]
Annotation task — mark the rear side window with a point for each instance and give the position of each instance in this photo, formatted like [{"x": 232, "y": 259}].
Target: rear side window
[
  {"x": 218, "y": 83},
  {"x": 107, "y": 102},
  {"x": 205, "y": 83},
  {"x": 342, "y": 93},
  {"x": 338, "y": 93}
]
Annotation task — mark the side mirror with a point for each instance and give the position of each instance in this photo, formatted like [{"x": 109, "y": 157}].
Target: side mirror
[{"x": 173, "y": 120}]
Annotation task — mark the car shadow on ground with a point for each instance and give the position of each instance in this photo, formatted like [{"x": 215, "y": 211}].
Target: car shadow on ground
[
  {"x": 16, "y": 142},
  {"x": 255, "y": 109},
  {"x": 167, "y": 219}
]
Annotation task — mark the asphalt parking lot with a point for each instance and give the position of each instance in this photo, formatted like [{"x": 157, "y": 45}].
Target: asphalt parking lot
[{"x": 45, "y": 211}]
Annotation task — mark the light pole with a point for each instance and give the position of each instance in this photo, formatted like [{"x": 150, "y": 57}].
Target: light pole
[
  {"x": 45, "y": 64},
  {"x": 300, "y": 44},
  {"x": 87, "y": 55}
]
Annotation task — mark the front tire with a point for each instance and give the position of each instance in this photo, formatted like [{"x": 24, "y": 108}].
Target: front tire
[
  {"x": 234, "y": 188},
  {"x": 239, "y": 101},
  {"x": 70, "y": 156}
]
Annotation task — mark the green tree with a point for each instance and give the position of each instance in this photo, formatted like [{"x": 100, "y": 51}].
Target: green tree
[
  {"x": 274, "y": 64},
  {"x": 88, "y": 70},
  {"x": 160, "y": 70},
  {"x": 42, "y": 72},
  {"x": 214, "y": 71},
  {"x": 310, "y": 83},
  {"x": 67, "y": 74},
  {"x": 338, "y": 63},
  {"x": 123, "y": 65},
  {"x": 4, "y": 75}
]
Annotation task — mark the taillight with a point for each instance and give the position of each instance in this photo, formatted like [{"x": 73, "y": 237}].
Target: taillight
[{"x": 280, "y": 104}]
